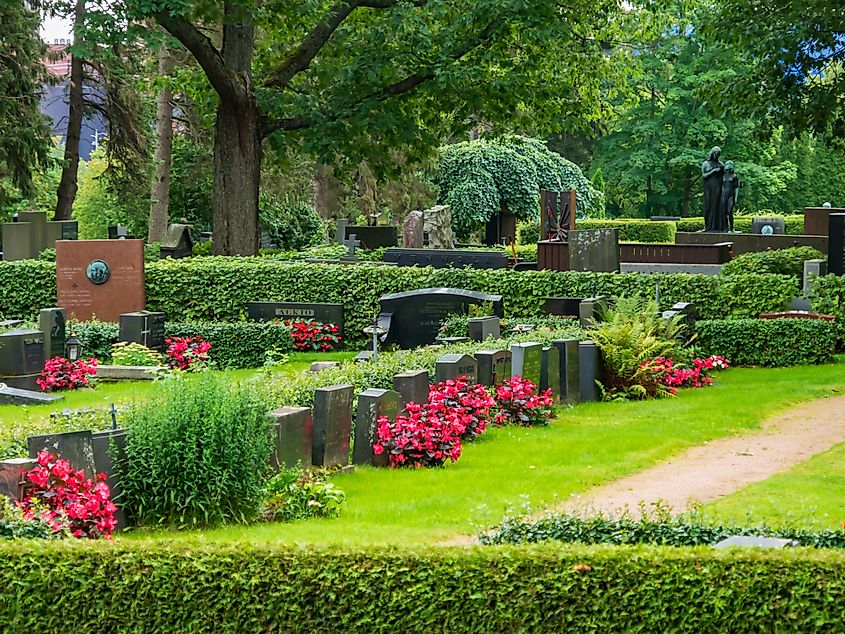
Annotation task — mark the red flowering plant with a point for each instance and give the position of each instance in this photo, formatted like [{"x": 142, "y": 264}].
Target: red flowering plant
[
  {"x": 187, "y": 353},
  {"x": 313, "y": 336},
  {"x": 673, "y": 376},
  {"x": 421, "y": 436},
  {"x": 470, "y": 404},
  {"x": 62, "y": 374},
  {"x": 67, "y": 500},
  {"x": 520, "y": 404}
]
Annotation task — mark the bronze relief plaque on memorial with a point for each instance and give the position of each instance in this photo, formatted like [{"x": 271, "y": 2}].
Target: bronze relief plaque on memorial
[{"x": 102, "y": 278}]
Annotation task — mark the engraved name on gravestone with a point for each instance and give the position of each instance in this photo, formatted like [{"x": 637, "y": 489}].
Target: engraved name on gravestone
[
  {"x": 413, "y": 318},
  {"x": 372, "y": 404},
  {"x": 100, "y": 278},
  {"x": 494, "y": 367},
  {"x": 21, "y": 358},
  {"x": 453, "y": 366},
  {"x": 527, "y": 359},
  {"x": 292, "y": 437},
  {"x": 332, "y": 425},
  {"x": 283, "y": 311}
]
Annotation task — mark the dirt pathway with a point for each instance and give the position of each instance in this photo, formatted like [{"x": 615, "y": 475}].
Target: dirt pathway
[{"x": 719, "y": 467}]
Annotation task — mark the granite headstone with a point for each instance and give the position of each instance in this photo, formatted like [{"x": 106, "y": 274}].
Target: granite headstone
[
  {"x": 494, "y": 367},
  {"x": 570, "y": 369},
  {"x": 283, "y": 311},
  {"x": 550, "y": 372},
  {"x": 372, "y": 404},
  {"x": 594, "y": 250},
  {"x": 76, "y": 447},
  {"x": 51, "y": 321},
  {"x": 332, "y": 425},
  {"x": 483, "y": 328},
  {"x": 144, "y": 327},
  {"x": 590, "y": 370},
  {"x": 412, "y": 386},
  {"x": 21, "y": 358},
  {"x": 527, "y": 361},
  {"x": 292, "y": 437},
  {"x": 453, "y": 366}
]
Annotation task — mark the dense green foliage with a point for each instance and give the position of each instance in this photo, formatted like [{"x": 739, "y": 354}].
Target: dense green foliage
[
  {"x": 196, "y": 454},
  {"x": 768, "y": 342},
  {"x": 828, "y": 297},
  {"x": 458, "y": 326},
  {"x": 508, "y": 589},
  {"x": 782, "y": 261},
  {"x": 793, "y": 224},
  {"x": 480, "y": 178},
  {"x": 661, "y": 528},
  {"x": 291, "y": 226},
  {"x": 634, "y": 230},
  {"x": 297, "y": 494}
]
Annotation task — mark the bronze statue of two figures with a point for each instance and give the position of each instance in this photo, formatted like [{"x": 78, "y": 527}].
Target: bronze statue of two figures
[{"x": 721, "y": 188}]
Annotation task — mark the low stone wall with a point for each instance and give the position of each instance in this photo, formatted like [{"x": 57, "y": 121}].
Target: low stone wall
[{"x": 753, "y": 243}]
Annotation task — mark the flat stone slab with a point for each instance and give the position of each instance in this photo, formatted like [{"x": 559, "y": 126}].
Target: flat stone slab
[
  {"x": 129, "y": 372},
  {"x": 16, "y": 396}
]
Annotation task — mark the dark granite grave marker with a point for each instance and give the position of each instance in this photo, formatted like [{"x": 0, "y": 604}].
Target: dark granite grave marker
[
  {"x": 594, "y": 250},
  {"x": 76, "y": 447},
  {"x": 178, "y": 242},
  {"x": 550, "y": 372},
  {"x": 452, "y": 366},
  {"x": 483, "y": 328},
  {"x": 332, "y": 425},
  {"x": 527, "y": 361},
  {"x": 591, "y": 309},
  {"x": 494, "y": 367},
  {"x": 283, "y": 311},
  {"x": 51, "y": 322},
  {"x": 363, "y": 356},
  {"x": 372, "y": 404},
  {"x": 12, "y": 472},
  {"x": 768, "y": 226},
  {"x": 144, "y": 327},
  {"x": 293, "y": 430},
  {"x": 61, "y": 230},
  {"x": 413, "y": 318},
  {"x": 372, "y": 237},
  {"x": 109, "y": 448},
  {"x": 590, "y": 370},
  {"x": 836, "y": 246},
  {"x": 447, "y": 258},
  {"x": 570, "y": 371},
  {"x": 564, "y": 306},
  {"x": 412, "y": 386},
  {"x": 21, "y": 358}
]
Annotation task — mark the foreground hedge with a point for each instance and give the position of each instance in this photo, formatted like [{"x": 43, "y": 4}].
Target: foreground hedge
[
  {"x": 218, "y": 288},
  {"x": 172, "y": 587},
  {"x": 768, "y": 342}
]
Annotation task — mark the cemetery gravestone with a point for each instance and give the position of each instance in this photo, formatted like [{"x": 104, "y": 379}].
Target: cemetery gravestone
[
  {"x": 292, "y": 437},
  {"x": 527, "y": 361},
  {"x": 372, "y": 404},
  {"x": 51, "y": 322},
  {"x": 21, "y": 358},
  {"x": 332, "y": 425},
  {"x": 12, "y": 472},
  {"x": 103, "y": 443},
  {"x": 437, "y": 224},
  {"x": 178, "y": 242},
  {"x": 594, "y": 250},
  {"x": 412, "y": 231},
  {"x": 144, "y": 327},
  {"x": 483, "y": 328},
  {"x": 340, "y": 230},
  {"x": 453, "y": 366},
  {"x": 813, "y": 268},
  {"x": 550, "y": 372},
  {"x": 372, "y": 237},
  {"x": 816, "y": 220},
  {"x": 284, "y": 311},
  {"x": 447, "y": 258},
  {"x": 494, "y": 367},
  {"x": 836, "y": 247},
  {"x": 413, "y": 318},
  {"x": 768, "y": 226},
  {"x": 412, "y": 386},
  {"x": 591, "y": 309},
  {"x": 570, "y": 370},
  {"x": 61, "y": 230},
  {"x": 77, "y": 447},
  {"x": 102, "y": 278},
  {"x": 589, "y": 365},
  {"x": 564, "y": 306},
  {"x": 17, "y": 396}
]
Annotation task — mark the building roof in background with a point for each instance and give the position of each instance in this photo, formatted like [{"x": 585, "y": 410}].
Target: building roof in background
[{"x": 57, "y": 60}]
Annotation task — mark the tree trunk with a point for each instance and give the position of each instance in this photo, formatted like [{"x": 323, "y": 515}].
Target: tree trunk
[
  {"x": 66, "y": 193},
  {"x": 160, "y": 194},
  {"x": 320, "y": 184}
]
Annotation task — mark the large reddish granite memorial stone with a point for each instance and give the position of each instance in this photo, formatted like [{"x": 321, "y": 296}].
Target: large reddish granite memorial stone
[{"x": 102, "y": 278}]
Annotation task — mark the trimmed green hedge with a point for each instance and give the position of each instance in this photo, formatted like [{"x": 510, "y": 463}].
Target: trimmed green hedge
[
  {"x": 793, "y": 225},
  {"x": 218, "y": 288},
  {"x": 768, "y": 342},
  {"x": 828, "y": 297},
  {"x": 634, "y": 230},
  {"x": 173, "y": 587},
  {"x": 782, "y": 261}
]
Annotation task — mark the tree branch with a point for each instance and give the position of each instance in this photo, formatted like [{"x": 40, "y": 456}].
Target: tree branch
[{"x": 224, "y": 81}]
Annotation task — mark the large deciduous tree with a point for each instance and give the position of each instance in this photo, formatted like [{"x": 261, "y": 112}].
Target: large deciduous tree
[{"x": 356, "y": 78}]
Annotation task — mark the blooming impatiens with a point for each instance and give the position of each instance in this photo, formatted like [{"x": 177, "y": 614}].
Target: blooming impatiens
[
  {"x": 469, "y": 404},
  {"x": 421, "y": 436},
  {"x": 67, "y": 500},
  {"x": 520, "y": 404},
  {"x": 313, "y": 336},
  {"x": 187, "y": 353},
  {"x": 62, "y": 374}
]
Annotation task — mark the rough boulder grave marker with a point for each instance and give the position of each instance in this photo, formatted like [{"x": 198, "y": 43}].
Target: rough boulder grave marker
[
  {"x": 527, "y": 360},
  {"x": 102, "y": 278},
  {"x": 412, "y": 230},
  {"x": 292, "y": 437},
  {"x": 372, "y": 404},
  {"x": 21, "y": 358},
  {"x": 413, "y": 318},
  {"x": 332, "y": 425}
]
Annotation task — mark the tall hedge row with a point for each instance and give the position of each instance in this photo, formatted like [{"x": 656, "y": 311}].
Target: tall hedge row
[
  {"x": 171, "y": 587},
  {"x": 793, "y": 225},
  {"x": 218, "y": 288}
]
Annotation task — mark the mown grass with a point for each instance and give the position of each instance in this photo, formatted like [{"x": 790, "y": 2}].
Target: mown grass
[{"x": 585, "y": 446}]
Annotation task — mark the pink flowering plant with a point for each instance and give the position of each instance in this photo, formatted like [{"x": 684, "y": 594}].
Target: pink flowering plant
[
  {"x": 467, "y": 404},
  {"x": 519, "y": 403},
  {"x": 313, "y": 336},
  {"x": 62, "y": 374},
  {"x": 187, "y": 353},
  {"x": 421, "y": 436},
  {"x": 67, "y": 500},
  {"x": 674, "y": 376}
]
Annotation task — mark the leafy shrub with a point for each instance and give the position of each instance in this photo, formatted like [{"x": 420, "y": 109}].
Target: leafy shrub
[
  {"x": 313, "y": 336},
  {"x": 136, "y": 354},
  {"x": 187, "y": 353},
  {"x": 420, "y": 436},
  {"x": 69, "y": 501},
  {"x": 241, "y": 344},
  {"x": 97, "y": 337},
  {"x": 518, "y": 403},
  {"x": 782, "y": 261},
  {"x": 828, "y": 297},
  {"x": 634, "y": 230},
  {"x": 528, "y": 233},
  {"x": 294, "y": 494},
  {"x": 202, "y": 248},
  {"x": 676, "y": 376},
  {"x": 197, "y": 452},
  {"x": 468, "y": 403},
  {"x": 61, "y": 374},
  {"x": 768, "y": 342},
  {"x": 291, "y": 225},
  {"x": 15, "y": 523}
]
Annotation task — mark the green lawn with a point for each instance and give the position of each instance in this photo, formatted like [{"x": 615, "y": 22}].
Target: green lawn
[{"x": 585, "y": 446}]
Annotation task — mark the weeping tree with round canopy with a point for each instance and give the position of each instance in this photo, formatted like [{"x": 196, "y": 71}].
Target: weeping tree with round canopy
[{"x": 485, "y": 178}]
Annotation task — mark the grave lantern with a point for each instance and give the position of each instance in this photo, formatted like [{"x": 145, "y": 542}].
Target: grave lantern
[{"x": 73, "y": 348}]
